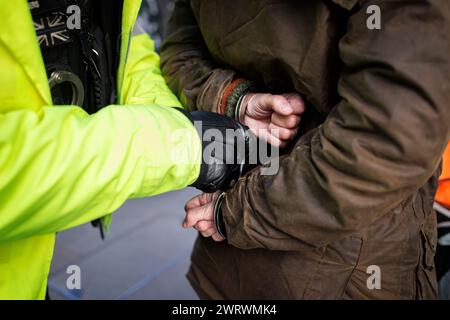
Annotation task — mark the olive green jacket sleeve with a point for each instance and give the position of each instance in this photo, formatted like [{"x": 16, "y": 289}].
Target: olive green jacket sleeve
[
  {"x": 379, "y": 145},
  {"x": 187, "y": 66},
  {"x": 60, "y": 167}
]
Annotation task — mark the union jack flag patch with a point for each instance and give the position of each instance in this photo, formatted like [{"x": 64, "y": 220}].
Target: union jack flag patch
[{"x": 51, "y": 30}]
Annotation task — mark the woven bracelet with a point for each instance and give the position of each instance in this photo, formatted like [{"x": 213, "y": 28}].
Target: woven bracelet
[{"x": 233, "y": 98}]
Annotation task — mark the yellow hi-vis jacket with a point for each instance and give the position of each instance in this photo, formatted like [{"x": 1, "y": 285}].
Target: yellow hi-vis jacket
[{"x": 60, "y": 167}]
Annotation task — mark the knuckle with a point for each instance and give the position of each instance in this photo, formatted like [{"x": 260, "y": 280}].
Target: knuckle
[
  {"x": 275, "y": 142},
  {"x": 204, "y": 225},
  {"x": 199, "y": 226},
  {"x": 297, "y": 97},
  {"x": 292, "y": 121},
  {"x": 286, "y": 134},
  {"x": 278, "y": 100}
]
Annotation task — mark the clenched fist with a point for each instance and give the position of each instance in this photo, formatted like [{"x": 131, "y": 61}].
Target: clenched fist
[
  {"x": 274, "y": 118},
  {"x": 200, "y": 215}
]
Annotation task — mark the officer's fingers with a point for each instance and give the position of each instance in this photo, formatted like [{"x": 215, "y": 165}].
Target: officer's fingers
[
  {"x": 194, "y": 215},
  {"x": 217, "y": 237},
  {"x": 296, "y": 101},
  {"x": 289, "y": 122}
]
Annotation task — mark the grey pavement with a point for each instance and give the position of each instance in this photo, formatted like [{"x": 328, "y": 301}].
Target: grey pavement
[{"x": 146, "y": 255}]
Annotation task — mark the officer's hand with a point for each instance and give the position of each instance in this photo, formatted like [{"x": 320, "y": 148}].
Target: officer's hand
[
  {"x": 226, "y": 149},
  {"x": 200, "y": 215},
  {"x": 274, "y": 118}
]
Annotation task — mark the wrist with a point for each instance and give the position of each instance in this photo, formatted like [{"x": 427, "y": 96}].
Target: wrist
[
  {"x": 241, "y": 108},
  {"x": 232, "y": 95},
  {"x": 220, "y": 168}
]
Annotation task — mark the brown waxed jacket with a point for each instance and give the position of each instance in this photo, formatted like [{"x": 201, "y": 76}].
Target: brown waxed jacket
[{"x": 355, "y": 190}]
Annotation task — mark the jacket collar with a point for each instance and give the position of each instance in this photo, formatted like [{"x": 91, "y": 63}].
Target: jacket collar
[{"x": 19, "y": 38}]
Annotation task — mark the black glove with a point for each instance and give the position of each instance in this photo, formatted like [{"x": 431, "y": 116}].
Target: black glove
[{"x": 226, "y": 149}]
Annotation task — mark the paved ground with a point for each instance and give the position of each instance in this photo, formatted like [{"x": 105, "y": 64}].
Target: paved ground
[{"x": 146, "y": 255}]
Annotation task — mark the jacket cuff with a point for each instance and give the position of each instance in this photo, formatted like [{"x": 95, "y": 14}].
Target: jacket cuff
[
  {"x": 211, "y": 92},
  {"x": 236, "y": 204}
]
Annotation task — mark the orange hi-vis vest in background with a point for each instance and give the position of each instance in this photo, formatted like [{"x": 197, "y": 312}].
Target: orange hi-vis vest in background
[{"x": 443, "y": 192}]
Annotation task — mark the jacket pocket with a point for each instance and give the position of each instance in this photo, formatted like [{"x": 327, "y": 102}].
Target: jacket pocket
[{"x": 335, "y": 270}]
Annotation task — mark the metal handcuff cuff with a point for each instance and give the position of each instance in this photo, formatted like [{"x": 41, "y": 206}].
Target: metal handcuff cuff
[{"x": 218, "y": 222}]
